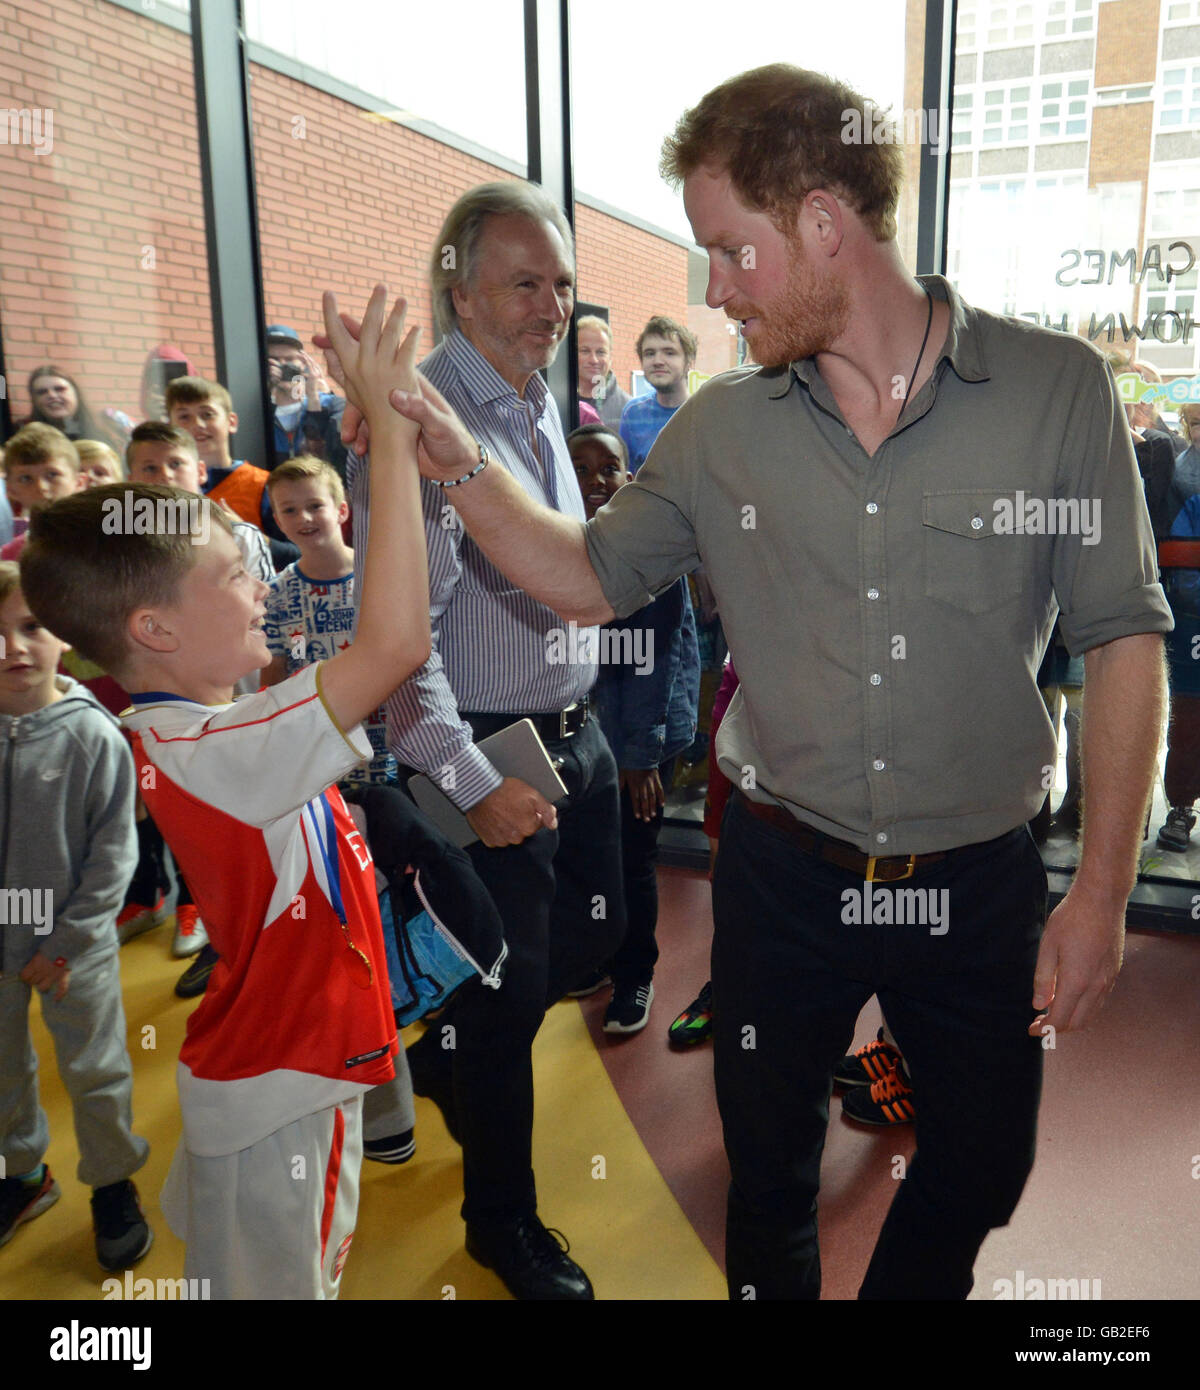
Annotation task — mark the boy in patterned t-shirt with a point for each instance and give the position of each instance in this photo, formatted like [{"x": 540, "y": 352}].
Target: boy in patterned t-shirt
[{"x": 310, "y": 609}]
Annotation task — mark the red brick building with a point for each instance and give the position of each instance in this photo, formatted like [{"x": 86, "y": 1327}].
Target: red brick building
[{"x": 102, "y": 239}]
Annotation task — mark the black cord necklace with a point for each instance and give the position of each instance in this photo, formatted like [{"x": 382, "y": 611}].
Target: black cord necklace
[{"x": 916, "y": 365}]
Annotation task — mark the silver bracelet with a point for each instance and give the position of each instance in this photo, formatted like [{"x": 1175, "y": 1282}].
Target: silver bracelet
[{"x": 484, "y": 460}]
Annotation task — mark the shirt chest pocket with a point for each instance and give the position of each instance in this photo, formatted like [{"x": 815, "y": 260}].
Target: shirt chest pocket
[{"x": 968, "y": 562}]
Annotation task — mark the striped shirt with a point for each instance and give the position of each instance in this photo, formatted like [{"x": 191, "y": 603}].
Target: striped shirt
[{"x": 491, "y": 641}]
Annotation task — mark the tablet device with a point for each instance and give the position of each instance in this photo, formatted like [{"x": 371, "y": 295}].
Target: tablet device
[{"x": 515, "y": 751}]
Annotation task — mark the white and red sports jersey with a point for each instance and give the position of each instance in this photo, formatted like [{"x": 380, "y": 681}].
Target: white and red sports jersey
[{"x": 242, "y": 794}]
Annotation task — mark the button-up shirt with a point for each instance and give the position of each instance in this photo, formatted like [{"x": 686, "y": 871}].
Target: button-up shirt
[
  {"x": 493, "y": 646},
  {"x": 888, "y": 613}
]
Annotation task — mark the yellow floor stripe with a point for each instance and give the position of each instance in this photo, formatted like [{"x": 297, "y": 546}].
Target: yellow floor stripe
[{"x": 625, "y": 1227}]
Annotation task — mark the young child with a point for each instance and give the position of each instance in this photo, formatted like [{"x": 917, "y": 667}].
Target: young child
[
  {"x": 310, "y": 609},
  {"x": 98, "y": 463},
  {"x": 296, "y": 1023},
  {"x": 205, "y": 410},
  {"x": 6, "y": 511},
  {"x": 646, "y": 703},
  {"x": 310, "y": 617},
  {"x": 42, "y": 465},
  {"x": 168, "y": 455},
  {"x": 67, "y": 824},
  {"x": 159, "y": 453}
]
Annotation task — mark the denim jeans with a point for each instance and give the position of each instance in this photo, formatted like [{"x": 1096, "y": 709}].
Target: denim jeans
[
  {"x": 790, "y": 975},
  {"x": 559, "y": 896}
]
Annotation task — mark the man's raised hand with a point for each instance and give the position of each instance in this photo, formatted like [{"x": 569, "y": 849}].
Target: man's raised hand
[
  {"x": 446, "y": 451},
  {"x": 375, "y": 359}
]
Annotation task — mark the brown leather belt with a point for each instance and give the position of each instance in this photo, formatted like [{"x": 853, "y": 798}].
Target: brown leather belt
[{"x": 839, "y": 852}]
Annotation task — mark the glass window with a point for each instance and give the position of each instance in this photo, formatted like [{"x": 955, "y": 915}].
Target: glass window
[
  {"x": 1180, "y": 101},
  {"x": 358, "y": 157},
  {"x": 103, "y": 258},
  {"x": 1010, "y": 244},
  {"x": 618, "y": 139}
]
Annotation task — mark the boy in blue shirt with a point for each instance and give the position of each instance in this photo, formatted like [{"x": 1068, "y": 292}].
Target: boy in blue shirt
[{"x": 646, "y": 698}]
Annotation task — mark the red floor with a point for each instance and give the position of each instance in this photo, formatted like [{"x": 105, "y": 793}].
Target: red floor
[{"x": 1115, "y": 1193}]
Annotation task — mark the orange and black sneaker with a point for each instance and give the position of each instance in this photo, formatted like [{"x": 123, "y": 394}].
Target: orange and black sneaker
[
  {"x": 888, "y": 1101},
  {"x": 869, "y": 1064}
]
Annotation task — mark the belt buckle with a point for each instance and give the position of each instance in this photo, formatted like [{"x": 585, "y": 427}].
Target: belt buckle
[
  {"x": 562, "y": 719},
  {"x": 909, "y": 869}
]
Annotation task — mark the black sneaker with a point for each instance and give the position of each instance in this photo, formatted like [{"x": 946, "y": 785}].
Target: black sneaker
[
  {"x": 590, "y": 984},
  {"x": 868, "y": 1065},
  {"x": 629, "y": 1009},
  {"x": 398, "y": 1149},
  {"x": 888, "y": 1101},
  {"x": 122, "y": 1235},
  {"x": 1176, "y": 834},
  {"x": 529, "y": 1259},
  {"x": 694, "y": 1025},
  {"x": 194, "y": 979},
  {"x": 21, "y": 1201}
]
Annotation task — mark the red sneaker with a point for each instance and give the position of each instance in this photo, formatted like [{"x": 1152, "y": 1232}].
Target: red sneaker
[
  {"x": 136, "y": 918},
  {"x": 21, "y": 1202},
  {"x": 190, "y": 933}
]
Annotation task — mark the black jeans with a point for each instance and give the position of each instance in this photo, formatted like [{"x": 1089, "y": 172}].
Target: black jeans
[
  {"x": 789, "y": 979},
  {"x": 638, "y": 953},
  {"x": 559, "y": 895}
]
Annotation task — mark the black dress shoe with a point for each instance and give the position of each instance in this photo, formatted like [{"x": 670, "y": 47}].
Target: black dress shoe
[
  {"x": 435, "y": 1083},
  {"x": 529, "y": 1260}
]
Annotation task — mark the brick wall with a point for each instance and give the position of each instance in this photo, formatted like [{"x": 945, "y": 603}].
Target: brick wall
[
  {"x": 1120, "y": 148},
  {"x": 716, "y": 346},
  {"x": 77, "y": 286},
  {"x": 1126, "y": 42},
  {"x": 344, "y": 198}
]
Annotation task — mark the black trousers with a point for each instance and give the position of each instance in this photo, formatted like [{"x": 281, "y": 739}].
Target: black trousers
[
  {"x": 637, "y": 955},
  {"x": 559, "y": 896},
  {"x": 791, "y": 970}
]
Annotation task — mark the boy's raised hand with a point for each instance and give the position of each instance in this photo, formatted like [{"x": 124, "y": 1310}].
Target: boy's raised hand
[
  {"x": 447, "y": 449},
  {"x": 376, "y": 360}
]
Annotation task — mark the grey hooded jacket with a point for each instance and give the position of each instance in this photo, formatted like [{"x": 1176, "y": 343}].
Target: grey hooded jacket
[{"x": 68, "y": 843}]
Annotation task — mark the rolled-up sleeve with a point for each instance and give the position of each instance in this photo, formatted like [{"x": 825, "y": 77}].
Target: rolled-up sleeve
[
  {"x": 424, "y": 728},
  {"x": 645, "y": 538},
  {"x": 1106, "y": 582}
]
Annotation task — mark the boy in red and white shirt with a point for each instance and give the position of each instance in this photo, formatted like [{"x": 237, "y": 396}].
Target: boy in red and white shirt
[{"x": 296, "y": 1024}]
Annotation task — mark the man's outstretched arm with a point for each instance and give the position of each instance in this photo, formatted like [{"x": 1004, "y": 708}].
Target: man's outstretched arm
[{"x": 539, "y": 549}]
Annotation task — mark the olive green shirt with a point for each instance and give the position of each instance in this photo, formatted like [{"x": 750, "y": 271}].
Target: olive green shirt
[{"x": 888, "y": 614}]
